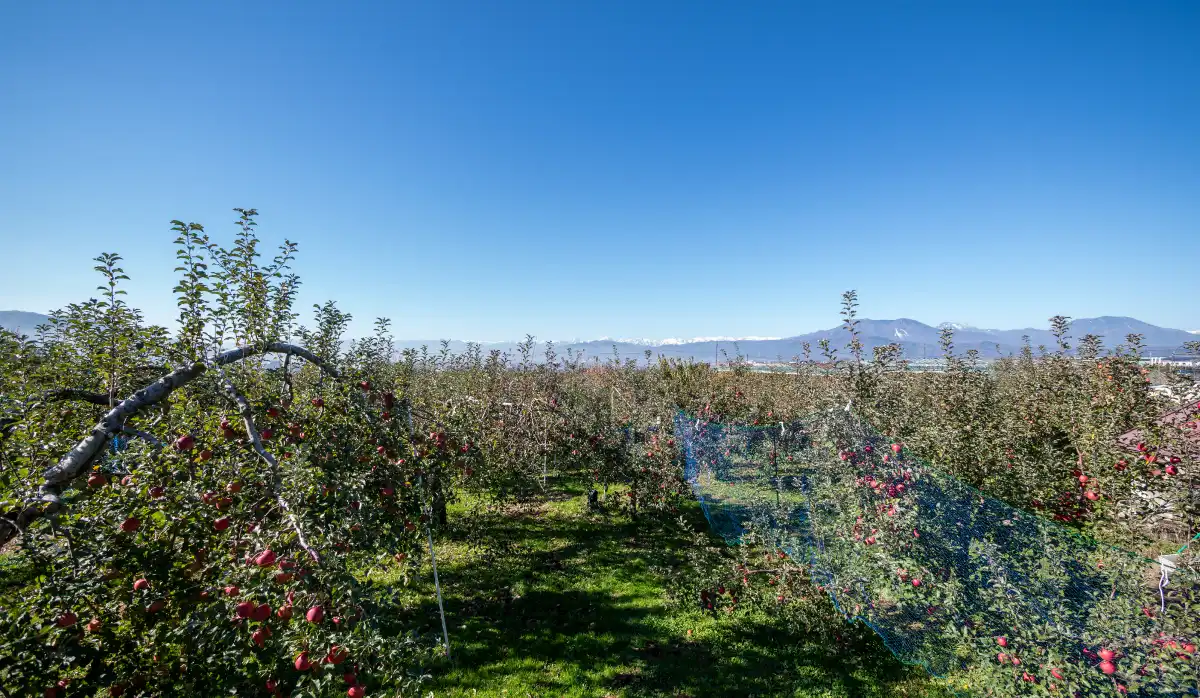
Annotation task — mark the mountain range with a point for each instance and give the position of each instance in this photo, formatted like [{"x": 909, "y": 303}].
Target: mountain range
[{"x": 917, "y": 340}]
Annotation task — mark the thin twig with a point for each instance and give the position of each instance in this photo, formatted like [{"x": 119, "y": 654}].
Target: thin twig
[{"x": 144, "y": 436}]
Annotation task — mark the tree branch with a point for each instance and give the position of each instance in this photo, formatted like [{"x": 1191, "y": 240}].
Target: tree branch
[
  {"x": 144, "y": 436},
  {"x": 73, "y": 394},
  {"x": 74, "y": 463},
  {"x": 60, "y": 395},
  {"x": 247, "y": 413}
]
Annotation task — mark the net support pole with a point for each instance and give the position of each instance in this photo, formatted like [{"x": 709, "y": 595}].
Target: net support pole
[
  {"x": 437, "y": 584},
  {"x": 775, "y": 462}
]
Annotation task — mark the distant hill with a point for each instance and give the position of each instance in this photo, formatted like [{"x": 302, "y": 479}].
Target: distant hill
[
  {"x": 917, "y": 339},
  {"x": 19, "y": 320}
]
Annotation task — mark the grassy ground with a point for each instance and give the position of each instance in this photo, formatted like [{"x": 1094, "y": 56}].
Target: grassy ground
[{"x": 559, "y": 602}]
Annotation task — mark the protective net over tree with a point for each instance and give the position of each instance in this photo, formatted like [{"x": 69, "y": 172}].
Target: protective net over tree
[{"x": 949, "y": 578}]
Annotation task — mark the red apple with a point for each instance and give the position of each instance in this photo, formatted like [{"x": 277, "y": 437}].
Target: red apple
[
  {"x": 131, "y": 524},
  {"x": 260, "y": 612},
  {"x": 259, "y": 637},
  {"x": 1107, "y": 667},
  {"x": 272, "y": 412},
  {"x": 232, "y": 590},
  {"x": 265, "y": 559},
  {"x": 158, "y": 492},
  {"x": 184, "y": 443},
  {"x": 141, "y": 584},
  {"x": 315, "y": 614},
  {"x": 336, "y": 655},
  {"x": 896, "y": 448},
  {"x": 302, "y": 663},
  {"x": 156, "y": 606},
  {"x": 266, "y": 434},
  {"x": 66, "y": 620},
  {"x": 356, "y": 692},
  {"x": 1002, "y": 641},
  {"x": 93, "y": 625},
  {"x": 1106, "y": 654},
  {"x": 318, "y": 402},
  {"x": 284, "y": 613},
  {"x": 234, "y": 487},
  {"x": 206, "y": 455},
  {"x": 364, "y": 385},
  {"x": 97, "y": 480}
]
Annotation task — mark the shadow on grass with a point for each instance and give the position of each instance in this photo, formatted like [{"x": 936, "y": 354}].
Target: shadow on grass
[{"x": 575, "y": 605}]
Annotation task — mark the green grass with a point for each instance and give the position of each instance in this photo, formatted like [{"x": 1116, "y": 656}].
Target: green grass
[{"x": 555, "y": 601}]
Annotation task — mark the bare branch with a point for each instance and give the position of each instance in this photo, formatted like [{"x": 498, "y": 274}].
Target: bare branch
[
  {"x": 144, "y": 436},
  {"x": 61, "y": 395},
  {"x": 72, "y": 394},
  {"x": 75, "y": 463},
  {"x": 247, "y": 414},
  {"x": 235, "y": 355}
]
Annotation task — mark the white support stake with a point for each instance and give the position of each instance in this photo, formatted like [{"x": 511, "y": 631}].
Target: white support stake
[{"x": 438, "y": 586}]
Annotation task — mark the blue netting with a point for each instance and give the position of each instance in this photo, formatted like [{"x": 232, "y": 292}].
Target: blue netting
[{"x": 940, "y": 571}]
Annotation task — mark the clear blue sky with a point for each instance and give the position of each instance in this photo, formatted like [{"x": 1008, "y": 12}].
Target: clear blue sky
[{"x": 655, "y": 169}]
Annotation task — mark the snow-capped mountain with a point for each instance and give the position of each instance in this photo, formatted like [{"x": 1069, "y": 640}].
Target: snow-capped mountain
[{"x": 963, "y": 327}]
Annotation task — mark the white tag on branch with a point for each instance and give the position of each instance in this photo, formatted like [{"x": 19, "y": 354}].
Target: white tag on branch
[{"x": 1168, "y": 563}]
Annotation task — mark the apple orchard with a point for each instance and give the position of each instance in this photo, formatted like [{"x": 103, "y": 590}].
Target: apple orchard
[{"x": 192, "y": 510}]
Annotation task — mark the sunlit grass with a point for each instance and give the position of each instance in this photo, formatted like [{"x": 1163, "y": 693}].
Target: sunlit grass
[{"x": 556, "y": 601}]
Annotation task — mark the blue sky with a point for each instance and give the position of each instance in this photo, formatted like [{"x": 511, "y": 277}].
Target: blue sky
[{"x": 649, "y": 169}]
